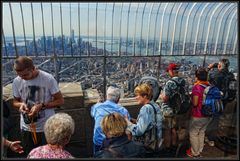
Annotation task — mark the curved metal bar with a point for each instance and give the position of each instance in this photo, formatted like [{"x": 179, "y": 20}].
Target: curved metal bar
[
  {"x": 112, "y": 27},
  {"x": 24, "y": 34},
  {"x": 194, "y": 17},
  {"x": 235, "y": 44},
  {"x": 155, "y": 29},
  {"x": 134, "y": 35},
  {"x": 4, "y": 40},
  {"x": 197, "y": 32},
  {"x": 149, "y": 20},
  {"x": 179, "y": 37},
  {"x": 168, "y": 26},
  {"x": 209, "y": 24},
  {"x": 141, "y": 28},
  {"x": 160, "y": 37},
  {"x": 120, "y": 27},
  {"x": 14, "y": 38},
  {"x": 44, "y": 37},
  {"x": 225, "y": 24},
  {"x": 228, "y": 31},
  {"x": 185, "y": 35},
  {"x": 220, "y": 22},
  {"x": 234, "y": 33},
  {"x": 35, "y": 45},
  {"x": 127, "y": 27},
  {"x": 174, "y": 28},
  {"x": 215, "y": 25}
]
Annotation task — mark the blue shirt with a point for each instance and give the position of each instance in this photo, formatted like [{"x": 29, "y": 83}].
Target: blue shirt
[
  {"x": 145, "y": 119},
  {"x": 98, "y": 111}
]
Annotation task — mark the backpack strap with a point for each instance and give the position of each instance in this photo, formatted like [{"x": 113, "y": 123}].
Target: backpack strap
[
  {"x": 175, "y": 82},
  {"x": 155, "y": 116}
]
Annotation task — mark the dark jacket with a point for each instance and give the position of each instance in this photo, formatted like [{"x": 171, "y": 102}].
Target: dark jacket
[{"x": 121, "y": 147}]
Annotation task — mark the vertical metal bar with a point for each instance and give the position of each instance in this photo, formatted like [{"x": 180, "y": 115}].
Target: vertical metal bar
[
  {"x": 168, "y": 25},
  {"x": 120, "y": 27},
  {"x": 197, "y": 30},
  {"x": 71, "y": 29},
  {"x": 24, "y": 34},
  {"x": 155, "y": 29},
  {"x": 112, "y": 27},
  {"x": 174, "y": 28},
  {"x": 209, "y": 24},
  {"x": 14, "y": 38},
  {"x": 193, "y": 24},
  {"x": 63, "y": 41},
  {"x": 127, "y": 28},
  {"x": 160, "y": 37},
  {"x": 181, "y": 25},
  {"x": 4, "y": 43},
  {"x": 141, "y": 28},
  {"x": 134, "y": 36},
  {"x": 88, "y": 52},
  {"x": 149, "y": 21},
  {"x": 225, "y": 24},
  {"x": 185, "y": 35},
  {"x": 214, "y": 27},
  {"x": 228, "y": 31},
  {"x": 205, "y": 20},
  {"x": 44, "y": 37},
  {"x": 104, "y": 57},
  {"x": 220, "y": 24},
  {"x": 54, "y": 53},
  {"x": 35, "y": 45},
  {"x": 79, "y": 43},
  {"x": 96, "y": 27}
]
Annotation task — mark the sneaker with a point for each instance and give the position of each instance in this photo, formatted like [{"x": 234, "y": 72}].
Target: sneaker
[{"x": 211, "y": 143}]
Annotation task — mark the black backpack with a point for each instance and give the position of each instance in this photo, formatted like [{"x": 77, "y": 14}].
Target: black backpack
[
  {"x": 154, "y": 84},
  {"x": 180, "y": 102},
  {"x": 229, "y": 87}
]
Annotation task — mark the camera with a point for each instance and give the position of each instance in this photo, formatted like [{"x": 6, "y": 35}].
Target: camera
[{"x": 26, "y": 118}]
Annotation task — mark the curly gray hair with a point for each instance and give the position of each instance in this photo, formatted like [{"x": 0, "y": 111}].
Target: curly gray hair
[{"x": 58, "y": 129}]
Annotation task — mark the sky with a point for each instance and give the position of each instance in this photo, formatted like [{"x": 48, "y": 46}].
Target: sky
[{"x": 144, "y": 19}]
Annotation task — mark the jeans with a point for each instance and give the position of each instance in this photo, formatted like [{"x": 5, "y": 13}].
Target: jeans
[{"x": 96, "y": 148}]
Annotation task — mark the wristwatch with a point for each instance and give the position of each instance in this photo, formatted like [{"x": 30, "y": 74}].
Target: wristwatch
[{"x": 43, "y": 106}]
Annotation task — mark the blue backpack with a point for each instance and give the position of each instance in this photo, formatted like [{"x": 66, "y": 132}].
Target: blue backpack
[{"x": 212, "y": 104}]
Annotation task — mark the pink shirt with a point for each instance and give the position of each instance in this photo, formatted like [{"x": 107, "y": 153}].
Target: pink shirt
[
  {"x": 197, "y": 90},
  {"x": 47, "y": 152}
]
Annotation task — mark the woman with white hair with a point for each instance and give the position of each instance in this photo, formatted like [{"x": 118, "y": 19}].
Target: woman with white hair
[{"x": 58, "y": 130}]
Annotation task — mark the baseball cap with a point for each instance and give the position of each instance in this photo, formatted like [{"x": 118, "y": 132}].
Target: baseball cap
[{"x": 172, "y": 66}]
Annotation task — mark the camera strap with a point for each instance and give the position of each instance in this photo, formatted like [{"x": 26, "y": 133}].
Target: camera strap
[{"x": 33, "y": 131}]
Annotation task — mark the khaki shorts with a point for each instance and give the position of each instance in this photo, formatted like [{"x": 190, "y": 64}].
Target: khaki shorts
[{"x": 169, "y": 122}]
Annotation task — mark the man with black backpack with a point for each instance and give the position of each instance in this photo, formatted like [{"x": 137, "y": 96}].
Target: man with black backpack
[
  {"x": 174, "y": 101},
  {"x": 223, "y": 79}
]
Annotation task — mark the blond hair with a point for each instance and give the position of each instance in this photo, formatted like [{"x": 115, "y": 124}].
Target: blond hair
[
  {"x": 22, "y": 63},
  {"x": 144, "y": 90},
  {"x": 113, "y": 125}
]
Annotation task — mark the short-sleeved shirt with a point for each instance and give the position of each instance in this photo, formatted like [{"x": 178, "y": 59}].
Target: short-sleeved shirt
[
  {"x": 98, "y": 111},
  {"x": 34, "y": 91},
  {"x": 197, "y": 90},
  {"x": 45, "y": 152}
]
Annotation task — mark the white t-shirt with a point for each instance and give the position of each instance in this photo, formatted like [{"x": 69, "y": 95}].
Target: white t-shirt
[{"x": 34, "y": 91}]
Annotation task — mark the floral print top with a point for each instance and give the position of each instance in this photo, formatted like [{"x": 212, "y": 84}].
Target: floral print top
[{"x": 47, "y": 152}]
